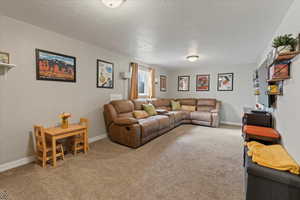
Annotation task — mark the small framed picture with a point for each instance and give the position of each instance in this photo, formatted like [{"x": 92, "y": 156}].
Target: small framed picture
[
  {"x": 225, "y": 82},
  {"x": 105, "y": 74},
  {"x": 163, "y": 83},
  {"x": 183, "y": 83},
  {"x": 4, "y": 57},
  {"x": 51, "y": 66},
  {"x": 280, "y": 71},
  {"x": 202, "y": 82}
]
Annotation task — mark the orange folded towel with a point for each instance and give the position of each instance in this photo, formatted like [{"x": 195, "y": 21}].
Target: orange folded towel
[{"x": 272, "y": 156}]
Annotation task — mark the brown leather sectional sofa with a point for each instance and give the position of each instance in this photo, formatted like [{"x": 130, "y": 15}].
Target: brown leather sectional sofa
[{"x": 124, "y": 129}]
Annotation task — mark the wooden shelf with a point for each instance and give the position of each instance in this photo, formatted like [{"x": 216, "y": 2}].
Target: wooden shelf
[
  {"x": 277, "y": 80},
  {"x": 290, "y": 53},
  {"x": 275, "y": 94},
  {"x": 285, "y": 56}
]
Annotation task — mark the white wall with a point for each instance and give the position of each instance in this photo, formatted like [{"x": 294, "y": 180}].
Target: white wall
[
  {"x": 232, "y": 102},
  {"x": 26, "y": 101},
  {"x": 1, "y": 97},
  {"x": 287, "y": 112}
]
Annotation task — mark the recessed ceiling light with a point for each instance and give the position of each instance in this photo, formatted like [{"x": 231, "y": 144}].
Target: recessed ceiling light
[
  {"x": 113, "y": 3},
  {"x": 192, "y": 58}
]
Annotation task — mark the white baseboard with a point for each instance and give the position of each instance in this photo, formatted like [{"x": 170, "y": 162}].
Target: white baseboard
[
  {"x": 96, "y": 138},
  {"x": 231, "y": 123},
  {"x": 16, "y": 163},
  {"x": 29, "y": 159}
]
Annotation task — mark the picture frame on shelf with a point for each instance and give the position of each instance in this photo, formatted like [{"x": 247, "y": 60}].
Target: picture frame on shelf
[
  {"x": 225, "y": 82},
  {"x": 202, "y": 82},
  {"x": 51, "y": 66},
  {"x": 280, "y": 71},
  {"x": 183, "y": 83},
  {"x": 163, "y": 83},
  {"x": 105, "y": 74},
  {"x": 4, "y": 57}
]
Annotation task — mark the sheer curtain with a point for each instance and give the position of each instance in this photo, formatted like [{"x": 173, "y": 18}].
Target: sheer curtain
[{"x": 152, "y": 83}]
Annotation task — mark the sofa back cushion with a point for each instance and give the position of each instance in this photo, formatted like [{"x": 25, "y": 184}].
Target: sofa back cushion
[
  {"x": 206, "y": 104},
  {"x": 162, "y": 104},
  {"x": 138, "y": 103},
  {"x": 123, "y": 106},
  {"x": 188, "y": 102}
]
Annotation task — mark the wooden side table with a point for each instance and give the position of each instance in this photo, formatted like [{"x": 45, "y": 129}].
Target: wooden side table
[{"x": 56, "y": 133}]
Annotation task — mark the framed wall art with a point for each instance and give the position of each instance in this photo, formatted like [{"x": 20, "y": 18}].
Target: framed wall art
[
  {"x": 4, "y": 57},
  {"x": 52, "y": 66},
  {"x": 163, "y": 83},
  {"x": 225, "y": 82},
  {"x": 105, "y": 74},
  {"x": 183, "y": 83},
  {"x": 202, "y": 82}
]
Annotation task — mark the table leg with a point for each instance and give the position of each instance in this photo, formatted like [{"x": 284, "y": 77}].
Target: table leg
[
  {"x": 85, "y": 141},
  {"x": 54, "y": 151}
]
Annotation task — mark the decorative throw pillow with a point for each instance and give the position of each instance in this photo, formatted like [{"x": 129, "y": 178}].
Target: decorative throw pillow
[
  {"x": 140, "y": 114},
  {"x": 149, "y": 108},
  {"x": 188, "y": 108},
  {"x": 175, "y": 105}
]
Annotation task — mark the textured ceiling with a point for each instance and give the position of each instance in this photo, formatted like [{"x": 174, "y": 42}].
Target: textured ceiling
[{"x": 162, "y": 32}]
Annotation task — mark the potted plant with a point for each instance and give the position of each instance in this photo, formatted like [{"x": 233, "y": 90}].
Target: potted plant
[{"x": 285, "y": 43}]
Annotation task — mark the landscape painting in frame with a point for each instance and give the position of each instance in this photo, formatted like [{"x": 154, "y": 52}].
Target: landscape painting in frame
[
  {"x": 105, "y": 74},
  {"x": 55, "y": 67},
  {"x": 183, "y": 83},
  {"x": 225, "y": 82},
  {"x": 4, "y": 57},
  {"x": 163, "y": 83},
  {"x": 202, "y": 82}
]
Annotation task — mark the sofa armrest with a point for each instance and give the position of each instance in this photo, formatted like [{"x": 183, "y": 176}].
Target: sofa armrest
[
  {"x": 129, "y": 135},
  {"x": 217, "y": 109},
  {"x": 125, "y": 121}
]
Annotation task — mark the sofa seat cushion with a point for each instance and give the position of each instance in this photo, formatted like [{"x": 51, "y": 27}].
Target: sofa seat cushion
[
  {"x": 178, "y": 115},
  {"x": 149, "y": 126},
  {"x": 201, "y": 116},
  {"x": 164, "y": 121}
]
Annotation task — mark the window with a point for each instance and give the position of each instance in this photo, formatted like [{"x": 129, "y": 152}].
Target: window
[{"x": 143, "y": 81}]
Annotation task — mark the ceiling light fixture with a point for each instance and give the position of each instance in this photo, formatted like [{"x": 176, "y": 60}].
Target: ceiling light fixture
[
  {"x": 192, "y": 58},
  {"x": 113, "y": 3}
]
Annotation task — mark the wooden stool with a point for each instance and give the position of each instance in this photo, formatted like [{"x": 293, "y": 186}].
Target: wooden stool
[
  {"x": 78, "y": 141},
  {"x": 44, "y": 148}
]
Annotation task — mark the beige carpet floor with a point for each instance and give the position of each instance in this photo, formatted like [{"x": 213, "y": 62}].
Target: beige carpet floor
[{"x": 188, "y": 163}]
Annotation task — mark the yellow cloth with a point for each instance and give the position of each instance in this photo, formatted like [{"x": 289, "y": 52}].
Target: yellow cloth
[
  {"x": 188, "y": 108},
  {"x": 272, "y": 156}
]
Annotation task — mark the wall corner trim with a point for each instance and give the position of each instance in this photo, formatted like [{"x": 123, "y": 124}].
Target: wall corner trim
[{"x": 29, "y": 159}]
